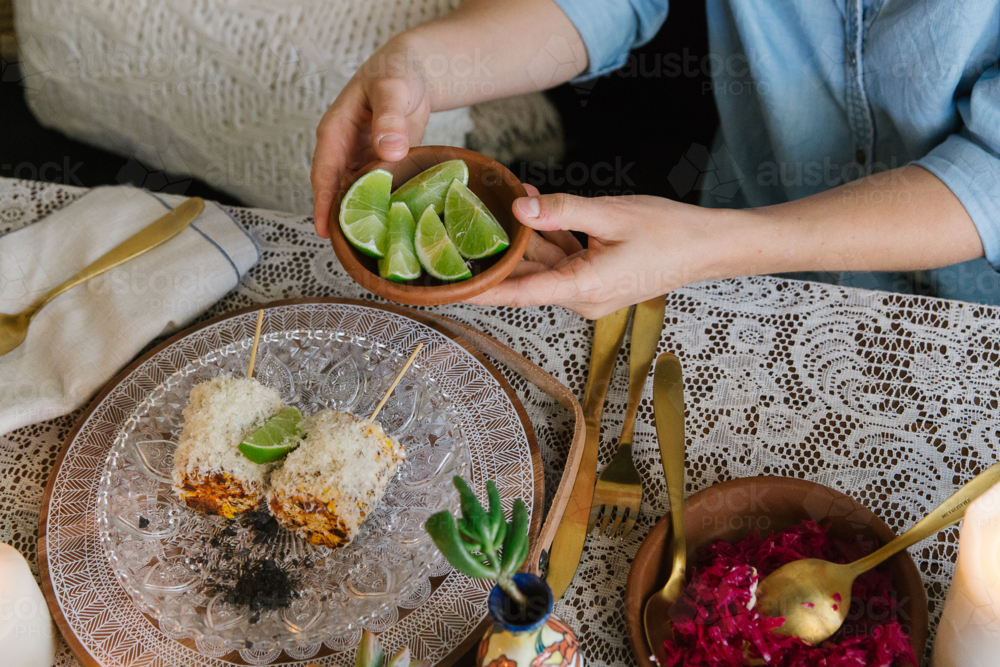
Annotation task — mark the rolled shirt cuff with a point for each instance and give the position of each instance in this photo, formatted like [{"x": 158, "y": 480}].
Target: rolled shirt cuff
[
  {"x": 973, "y": 174},
  {"x": 612, "y": 28}
]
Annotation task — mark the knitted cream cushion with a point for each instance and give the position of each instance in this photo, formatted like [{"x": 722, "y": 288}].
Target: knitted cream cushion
[
  {"x": 6, "y": 17},
  {"x": 231, "y": 91}
]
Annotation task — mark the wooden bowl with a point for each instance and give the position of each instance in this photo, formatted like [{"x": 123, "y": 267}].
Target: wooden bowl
[
  {"x": 733, "y": 510},
  {"x": 490, "y": 181}
]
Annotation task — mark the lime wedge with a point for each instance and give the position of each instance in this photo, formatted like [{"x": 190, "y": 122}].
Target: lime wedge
[
  {"x": 437, "y": 254},
  {"x": 400, "y": 261},
  {"x": 431, "y": 186},
  {"x": 470, "y": 224},
  {"x": 365, "y": 210},
  {"x": 272, "y": 441}
]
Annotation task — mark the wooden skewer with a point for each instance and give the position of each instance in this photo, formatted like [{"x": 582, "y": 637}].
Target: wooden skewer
[
  {"x": 399, "y": 376},
  {"x": 256, "y": 339}
]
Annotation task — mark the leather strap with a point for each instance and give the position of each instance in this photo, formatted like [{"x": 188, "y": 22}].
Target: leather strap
[{"x": 538, "y": 377}]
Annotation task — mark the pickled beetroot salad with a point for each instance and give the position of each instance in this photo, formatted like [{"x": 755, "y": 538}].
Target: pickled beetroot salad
[{"x": 713, "y": 626}]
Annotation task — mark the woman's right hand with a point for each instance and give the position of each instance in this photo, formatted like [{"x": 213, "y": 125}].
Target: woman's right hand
[{"x": 381, "y": 112}]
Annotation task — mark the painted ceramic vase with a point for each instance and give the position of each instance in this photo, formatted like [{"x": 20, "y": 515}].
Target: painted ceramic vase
[{"x": 531, "y": 637}]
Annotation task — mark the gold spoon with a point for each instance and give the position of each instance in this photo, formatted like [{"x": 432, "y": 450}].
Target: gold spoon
[
  {"x": 668, "y": 409},
  {"x": 14, "y": 328},
  {"x": 814, "y": 595}
]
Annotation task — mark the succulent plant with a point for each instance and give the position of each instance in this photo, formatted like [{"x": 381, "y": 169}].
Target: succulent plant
[
  {"x": 371, "y": 654},
  {"x": 482, "y": 544}
]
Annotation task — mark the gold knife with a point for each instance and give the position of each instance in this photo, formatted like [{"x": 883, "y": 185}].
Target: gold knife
[
  {"x": 567, "y": 546},
  {"x": 620, "y": 484}
]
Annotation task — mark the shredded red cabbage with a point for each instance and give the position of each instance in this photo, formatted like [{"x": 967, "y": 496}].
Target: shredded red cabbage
[{"x": 714, "y": 628}]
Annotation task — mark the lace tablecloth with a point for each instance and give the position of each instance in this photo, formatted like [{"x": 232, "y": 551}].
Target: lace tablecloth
[{"x": 889, "y": 398}]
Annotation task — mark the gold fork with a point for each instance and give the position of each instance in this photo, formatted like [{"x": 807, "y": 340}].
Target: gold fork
[
  {"x": 14, "y": 328},
  {"x": 618, "y": 494}
]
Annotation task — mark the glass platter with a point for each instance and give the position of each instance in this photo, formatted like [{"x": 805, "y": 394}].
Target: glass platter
[{"x": 154, "y": 562}]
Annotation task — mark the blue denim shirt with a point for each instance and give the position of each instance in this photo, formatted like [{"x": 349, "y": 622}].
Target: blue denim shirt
[{"x": 816, "y": 93}]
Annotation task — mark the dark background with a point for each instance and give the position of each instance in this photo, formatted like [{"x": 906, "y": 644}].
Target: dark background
[{"x": 644, "y": 117}]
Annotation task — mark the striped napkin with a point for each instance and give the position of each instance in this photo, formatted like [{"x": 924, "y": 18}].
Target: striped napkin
[{"x": 84, "y": 337}]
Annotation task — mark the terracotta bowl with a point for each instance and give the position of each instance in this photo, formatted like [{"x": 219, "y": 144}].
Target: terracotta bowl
[
  {"x": 732, "y": 510},
  {"x": 490, "y": 181}
]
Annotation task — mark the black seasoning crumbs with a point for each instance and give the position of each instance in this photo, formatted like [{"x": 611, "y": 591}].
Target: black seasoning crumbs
[
  {"x": 263, "y": 525},
  {"x": 261, "y": 585},
  {"x": 143, "y": 522}
]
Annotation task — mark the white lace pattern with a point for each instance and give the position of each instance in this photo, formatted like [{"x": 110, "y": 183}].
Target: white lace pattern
[{"x": 889, "y": 398}]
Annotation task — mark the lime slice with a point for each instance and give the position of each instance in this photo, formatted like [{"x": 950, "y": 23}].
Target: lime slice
[
  {"x": 400, "y": 261},
  {"x": 470, "y": 224},
  {"x": 431, "y": 186},
  {"x": 437, "y": 254},
  {"x": 365, "y": 210},
  {"x": 274, "y": 439}
]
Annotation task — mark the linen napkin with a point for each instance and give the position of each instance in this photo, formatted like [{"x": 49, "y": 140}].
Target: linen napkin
[{"x": 84, "y": 337}]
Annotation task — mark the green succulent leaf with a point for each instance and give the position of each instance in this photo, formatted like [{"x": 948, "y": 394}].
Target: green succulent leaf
[
  {"x": 444, "y": 532},
  {"x": 482, "y": 544},
  {"x": 515, "y": 546},
  {"x": 401, "y": 659},
  {"x": 369, "y": 653},
  {"x": 471, "y": 509},
  {"x": 498, "y": 524},
  {"x": 469, "y": 534}
]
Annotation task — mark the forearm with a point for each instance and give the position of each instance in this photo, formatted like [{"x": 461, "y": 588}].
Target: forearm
[
  {"x": 487, "y": 50},
  {"x": 899, "y": 220}
]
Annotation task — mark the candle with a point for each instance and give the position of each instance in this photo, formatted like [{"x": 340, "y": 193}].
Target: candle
[
  {"x": 27, "y": 638},
  {"x": 969, "y": 631}
]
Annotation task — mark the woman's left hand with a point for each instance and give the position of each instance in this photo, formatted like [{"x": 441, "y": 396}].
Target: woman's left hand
[{"x": 639, "y": 247}]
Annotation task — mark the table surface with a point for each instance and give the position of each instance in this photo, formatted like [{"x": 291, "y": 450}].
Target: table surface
[{"x": 886, "y": 397}]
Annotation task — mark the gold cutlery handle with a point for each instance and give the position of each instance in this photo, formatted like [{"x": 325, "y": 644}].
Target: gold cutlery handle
[
  {"x": 567, "y": 545},
  {"x": 668, "y": 407},
  {"x": 945, "y": 514},
  {"x": 647, "y": 325},
  {"x": 163, "y": 229},
  {"x": 609, "y": 333}
]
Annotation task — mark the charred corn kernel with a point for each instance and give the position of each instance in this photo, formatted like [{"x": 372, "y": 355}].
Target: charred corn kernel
[
  {"x": 326, "y": 488},
  {"x": 210, "y": 474},
  {"x": 218, "y": 493}
]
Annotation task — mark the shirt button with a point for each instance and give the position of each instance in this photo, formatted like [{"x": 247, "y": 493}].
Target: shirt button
[
  {"x": 859, "y": 156},
  {"x": 852, "y": 58}
]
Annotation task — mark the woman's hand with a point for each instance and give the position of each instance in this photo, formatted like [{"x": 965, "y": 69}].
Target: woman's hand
[
  {"x": 639, "y": 247},
  {"x": 381, "y": 112},
  {"x": 481, "y": 51}
]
